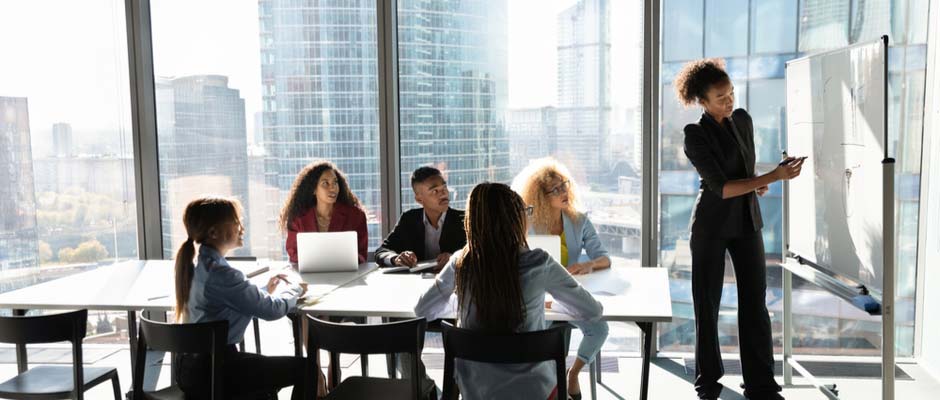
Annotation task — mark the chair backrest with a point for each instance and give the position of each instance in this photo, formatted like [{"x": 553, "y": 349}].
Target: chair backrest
[
  {"x": 68, "y": 326},
  {"x": 241, "y": 258},
  {"x": 512, "y": 348},
  {"x": 209, "y": 338},
  {"x": 394, "y": 337}
]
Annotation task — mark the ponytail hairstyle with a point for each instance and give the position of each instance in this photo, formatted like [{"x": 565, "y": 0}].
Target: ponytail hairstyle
[
  {"x": 696, "y": 77},
  {"x": 487, "y": 274},
  {"x": 199, "y": 218}
]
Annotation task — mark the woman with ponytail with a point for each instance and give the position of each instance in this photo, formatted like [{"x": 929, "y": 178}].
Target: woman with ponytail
[
  {"x": 211, "y": 290},
  {"x": 500, "y": 285}
]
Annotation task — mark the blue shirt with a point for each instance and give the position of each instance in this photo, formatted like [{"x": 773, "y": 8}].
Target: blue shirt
[
  {"x": 220, "y": 292},
  {"x": 538, "y": 274}
]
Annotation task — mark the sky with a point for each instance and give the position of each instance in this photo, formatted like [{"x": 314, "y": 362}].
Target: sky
[{"x": 70, "y": 58}]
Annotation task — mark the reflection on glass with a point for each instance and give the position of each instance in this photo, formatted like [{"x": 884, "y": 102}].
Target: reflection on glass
[
  {"x": 826, "y": 325},
  {"x": 67, "y": 182},
  {"x": 773, "y": 26},
  {"x": 727, "y": 19}
]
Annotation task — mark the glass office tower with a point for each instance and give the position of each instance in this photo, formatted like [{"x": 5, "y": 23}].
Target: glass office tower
[
  {"x": 19, "y": 240},
  {"x": 203, "y": 148},
  {"x": 320, "y": 94}
]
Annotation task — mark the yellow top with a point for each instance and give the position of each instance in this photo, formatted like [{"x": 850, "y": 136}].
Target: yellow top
[{"x": 564, "y": 250}]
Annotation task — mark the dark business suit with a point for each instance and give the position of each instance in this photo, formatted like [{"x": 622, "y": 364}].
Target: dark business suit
[
  {"x": 408, "y": 235},
  {"x": 723, "y": 152}
]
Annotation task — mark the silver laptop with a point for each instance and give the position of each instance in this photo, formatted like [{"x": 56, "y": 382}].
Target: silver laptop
[
  {"x": 327, "y": 251},
  {"x": 550, "y": 243}
]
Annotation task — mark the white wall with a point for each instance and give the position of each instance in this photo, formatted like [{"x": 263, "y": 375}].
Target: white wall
[{"x": 930, "y": 246}]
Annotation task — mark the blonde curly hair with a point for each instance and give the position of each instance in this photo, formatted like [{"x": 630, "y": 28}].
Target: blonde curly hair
[{"x": 531, "y": 183}]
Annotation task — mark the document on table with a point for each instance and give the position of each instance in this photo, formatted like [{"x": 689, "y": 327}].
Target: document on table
[{"x": 609, "y": 283}]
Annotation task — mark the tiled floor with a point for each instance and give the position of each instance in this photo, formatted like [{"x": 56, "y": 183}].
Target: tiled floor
[{"x": 669, "y": 378}]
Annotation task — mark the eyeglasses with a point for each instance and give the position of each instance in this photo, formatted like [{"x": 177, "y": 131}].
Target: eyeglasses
[
  {"x": 529, "y": 210},
  {"x": 560, "y": 189}
]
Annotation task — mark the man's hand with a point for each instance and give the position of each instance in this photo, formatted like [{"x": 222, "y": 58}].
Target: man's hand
[
  {"x": 407, "y": 259},
  {"x": 761, "y": 191}
]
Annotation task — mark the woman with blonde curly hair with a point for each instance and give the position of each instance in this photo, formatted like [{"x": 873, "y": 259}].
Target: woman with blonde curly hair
[{"x": 547, "y": 187}]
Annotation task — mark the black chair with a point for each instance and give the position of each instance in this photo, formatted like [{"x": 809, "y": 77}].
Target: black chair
[
  {"x": 202, "y": 338},
  {"x": 516, "y": 348},
  {"x": 52, "y": 382},
  {"x": 396, "y": 337},
  {"x": 254, "y": 320}
]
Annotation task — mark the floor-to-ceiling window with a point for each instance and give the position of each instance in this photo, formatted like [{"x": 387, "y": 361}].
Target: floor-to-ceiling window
[
  {"x": 248, "y": 93},
  {"x": 756, "y": 38},
  {"x": 67, "y": 195},
  {"x": 488, "y": 86}
]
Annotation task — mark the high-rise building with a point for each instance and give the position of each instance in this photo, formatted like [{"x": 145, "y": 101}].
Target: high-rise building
[
  {"x": 19, "y": 239},
  {"x": 203, "y": 148},
  {"x": 320, "y": 93},
  {"x": 531, "y": 134},
  {"x": 453, "y": 67},
  {"x": 62, "y": 140},
  {"x": 583, "y": 88}
]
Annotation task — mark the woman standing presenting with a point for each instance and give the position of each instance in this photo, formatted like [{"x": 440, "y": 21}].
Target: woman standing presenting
[{"x": 727, "y": 217}]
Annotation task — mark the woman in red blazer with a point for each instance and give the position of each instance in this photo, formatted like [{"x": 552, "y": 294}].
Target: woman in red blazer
[{"x": 320, "y": 201}]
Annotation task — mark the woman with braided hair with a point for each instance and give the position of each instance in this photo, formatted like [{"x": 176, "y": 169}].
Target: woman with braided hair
[
  {"x": 501, "y": 285},
  {"x": 727, "y": 218}
]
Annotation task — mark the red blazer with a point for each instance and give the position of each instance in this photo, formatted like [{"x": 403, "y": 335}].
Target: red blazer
[{"x": 345, "y": 218}]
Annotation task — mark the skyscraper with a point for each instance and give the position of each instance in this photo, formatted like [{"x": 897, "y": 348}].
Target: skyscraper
[
  {"x": 19, "y": 240},
  {"x": 583, "y": 88},
  {"x": 320, "y": 93},
  {"x": 196, "y": 114},
  {"x": 62, "y": 140},
  {"x": 531, "y": 134}
]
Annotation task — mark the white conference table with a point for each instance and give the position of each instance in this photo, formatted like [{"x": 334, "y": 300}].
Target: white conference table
[
  {"x": 131, "y": 286},
  {"x": 642, "y": 298},
  {"x": 141, "y": 285}
]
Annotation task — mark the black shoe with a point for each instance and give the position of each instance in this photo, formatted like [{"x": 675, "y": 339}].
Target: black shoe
[{"x": 572, "y": 396}]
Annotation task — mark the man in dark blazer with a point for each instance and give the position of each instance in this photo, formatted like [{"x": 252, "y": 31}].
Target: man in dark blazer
[{"x": 432, "y": 232}]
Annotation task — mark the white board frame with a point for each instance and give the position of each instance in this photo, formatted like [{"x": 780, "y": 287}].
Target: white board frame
[{"x": 837, "y": 285}]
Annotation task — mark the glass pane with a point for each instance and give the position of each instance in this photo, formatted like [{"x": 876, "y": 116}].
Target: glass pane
[
  {"x": 823, "y": 24},
  {"x": 66, "y": 156},
  {"x": 274, "y": 87},
  {"x": 728, "y": 19},
  {"x": 825, "y": 324},
  {"x": 488, "y": 86},
  {"x": 773, "y": 26},
  {"x": 682, "y": 29},
  {"x": 767, "y": 111}
]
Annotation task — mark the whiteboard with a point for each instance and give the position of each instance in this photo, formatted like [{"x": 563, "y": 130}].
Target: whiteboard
[{"x": 836, "y": 113}]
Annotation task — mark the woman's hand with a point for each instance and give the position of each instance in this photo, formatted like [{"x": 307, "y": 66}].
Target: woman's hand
[
  {"x": 581, "y": 268},
  {"x": 789, "y": 169},
  {"x": 274, "y": 281},
  {"x": 303, "y": 289},
  {"x": 761, "y": 191}
]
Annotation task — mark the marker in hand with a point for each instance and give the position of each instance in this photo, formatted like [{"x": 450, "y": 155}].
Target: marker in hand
[{"x": 790, "y": 160}]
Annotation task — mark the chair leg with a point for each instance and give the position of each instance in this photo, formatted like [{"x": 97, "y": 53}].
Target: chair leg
[
  {"x": 116, "y": 384},
  {"x": 254, "y": 323},
  {"x": 593, "y": 377},
  {"x": 598, "y": 364}
]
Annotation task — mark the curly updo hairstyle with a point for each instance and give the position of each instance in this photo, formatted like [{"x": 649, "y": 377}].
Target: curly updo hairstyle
[{"x": 696, "y": 77}]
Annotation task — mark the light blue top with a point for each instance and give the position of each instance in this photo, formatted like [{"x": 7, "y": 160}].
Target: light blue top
[
  {"x": 581, "y": 235},
  {"x": 220, "y": 292},
  {"x": 539, "y": 274}
]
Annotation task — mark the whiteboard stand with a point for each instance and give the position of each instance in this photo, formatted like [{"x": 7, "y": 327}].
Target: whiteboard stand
[{"x": 837, "y": 285}]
